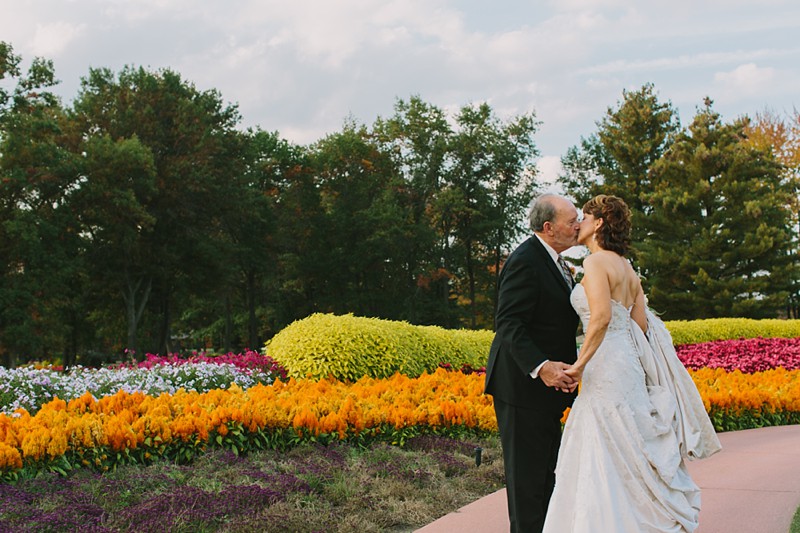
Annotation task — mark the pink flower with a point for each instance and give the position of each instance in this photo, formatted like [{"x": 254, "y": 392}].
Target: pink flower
[{"x": 745, "y": 355}]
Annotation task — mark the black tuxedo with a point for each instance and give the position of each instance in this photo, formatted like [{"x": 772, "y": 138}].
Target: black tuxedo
[{"x": 535, "y": 322}]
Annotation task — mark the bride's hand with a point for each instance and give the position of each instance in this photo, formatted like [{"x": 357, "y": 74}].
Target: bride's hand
[
  {"x": 575, "y": 372},
  {"x": 552, "y": 374}
]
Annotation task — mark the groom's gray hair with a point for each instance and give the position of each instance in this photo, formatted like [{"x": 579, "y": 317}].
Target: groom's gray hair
[{"x": 542, "y": 210}]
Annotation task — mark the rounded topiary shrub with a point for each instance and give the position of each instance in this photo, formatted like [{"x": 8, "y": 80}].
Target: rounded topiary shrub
[{"x": 348, "y": 347}]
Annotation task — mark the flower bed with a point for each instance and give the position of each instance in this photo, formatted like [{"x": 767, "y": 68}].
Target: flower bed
[
  {"x": 135, "y": 427},
  {"x": 745, "y": 355},
  {"x": 168, "y": 407},
  {"x": 249, "y": 362},
  {"x": 29, "y": 388},
  {"x": 736, "y": 400}
]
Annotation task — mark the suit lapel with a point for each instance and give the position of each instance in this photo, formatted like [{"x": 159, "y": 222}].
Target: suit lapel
[{"x": 554, "y": 269}]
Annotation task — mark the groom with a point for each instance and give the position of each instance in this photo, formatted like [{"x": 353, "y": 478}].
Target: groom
[{"x": 534, "y": 343}]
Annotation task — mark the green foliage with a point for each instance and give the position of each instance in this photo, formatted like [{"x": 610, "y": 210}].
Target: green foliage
[
  {"x": 159, "y": 153},
  {"x": 489, "y": 182},
  {"x": 417, "y": 141},
  {"x": 349, "y": 347},
  {"x": 795, "y": 527},
  {"x": 41, "y": 268},
  {"x": 361, "y": 229},
  {"x": 737, "y": 420},
  {"x": 310, "y": 488},
  {"x": 714, "y": 231},
  {"x": 724, "y": 207},
  {"x": 141, "y": 214},
  {"x": 145, "y": 205},
  {"x": 235, "y": 438},
  {"x": 717, "y": 329},
  {"x": 617, "y": 159}
]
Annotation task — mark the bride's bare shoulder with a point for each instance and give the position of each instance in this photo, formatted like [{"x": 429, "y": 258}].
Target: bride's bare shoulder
[{"x": 601, "y": 258}]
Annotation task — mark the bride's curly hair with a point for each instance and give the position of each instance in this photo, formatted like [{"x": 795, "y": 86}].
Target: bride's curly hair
[{"x": 615, "y": 233}]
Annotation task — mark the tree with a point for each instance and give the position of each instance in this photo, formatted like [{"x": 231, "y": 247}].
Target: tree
[
  {"x": 488, "y": 185},
  {"x": 417, "y": 141},
  {"x": 189, "y": 135},
  {"x": 361, "y": 220},
  {"x": 112, "y": 206},
  {"x": 463, "y": 192},
  {"x": 301, "y": 239},
  {"x": 618, "y": 158},
  {"x": 513, "y": 187},
  {"x": 271, "y": 164},
  {"x": 42, "y": 274},
  {"x": 781, "y": 136},
  {"x": 717, "y": 229}
]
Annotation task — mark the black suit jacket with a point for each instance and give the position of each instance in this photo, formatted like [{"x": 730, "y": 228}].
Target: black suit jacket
[{"x": 535, "y": 322}]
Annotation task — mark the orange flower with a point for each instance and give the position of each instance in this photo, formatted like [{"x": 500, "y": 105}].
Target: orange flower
[
  {"x": 10, "y": 458},
  {"x": 440, "y": 399}
]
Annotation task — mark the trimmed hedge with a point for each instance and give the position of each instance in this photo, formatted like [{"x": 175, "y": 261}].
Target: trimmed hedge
[
  {"x": 719, "y": 329},
  {"x": 347, "y": 347}
]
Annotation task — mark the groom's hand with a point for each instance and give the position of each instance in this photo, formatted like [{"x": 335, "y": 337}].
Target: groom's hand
[{"x": 553, "y": 375}]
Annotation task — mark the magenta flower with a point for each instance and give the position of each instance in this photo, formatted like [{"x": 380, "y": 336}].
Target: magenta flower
[{"x": 746, "y": 355}]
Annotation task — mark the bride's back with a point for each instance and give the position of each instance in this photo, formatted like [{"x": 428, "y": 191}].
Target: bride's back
[
  {"x": 624, "y": 285},
  {"x": 622, "y": 280}
]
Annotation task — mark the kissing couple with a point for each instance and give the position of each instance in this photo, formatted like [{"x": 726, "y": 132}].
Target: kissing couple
[{"x": 620, "y": 464}]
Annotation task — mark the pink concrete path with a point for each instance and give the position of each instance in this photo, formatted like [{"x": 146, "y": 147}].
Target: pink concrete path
[{"x": 751, "y": 486}]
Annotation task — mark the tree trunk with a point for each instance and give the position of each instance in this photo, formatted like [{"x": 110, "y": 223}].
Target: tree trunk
[
  {"x": 133, "y": 312},
  {"x": 496, "y": 291},
  {"x": 228, "y": 331},
  {"x": 71, "y": 350},
  {"x": 164, "y": 342},
  {"x": 252, "y": 324},
  {"x": 473, "y": 309},
  {"x": 9, "y": 361}
]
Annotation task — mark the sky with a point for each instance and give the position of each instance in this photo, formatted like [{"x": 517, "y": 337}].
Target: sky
[{"x": 303, "y": 67}]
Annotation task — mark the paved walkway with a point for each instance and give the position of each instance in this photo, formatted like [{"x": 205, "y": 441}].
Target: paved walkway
[{"x": 751, "y": 486}]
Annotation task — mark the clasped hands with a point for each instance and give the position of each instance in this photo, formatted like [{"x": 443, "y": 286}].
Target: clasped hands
[{"x": 560, "y": 376}]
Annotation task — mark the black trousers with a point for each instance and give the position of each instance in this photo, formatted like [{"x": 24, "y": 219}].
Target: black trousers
[{"x": 530, "y": 439}]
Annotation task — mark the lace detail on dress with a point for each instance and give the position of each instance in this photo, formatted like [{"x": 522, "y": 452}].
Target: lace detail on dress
[{"x": 620, "y": 315}]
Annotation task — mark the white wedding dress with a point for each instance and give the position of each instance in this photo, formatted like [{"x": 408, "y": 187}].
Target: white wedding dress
[{"x": 621, "y": 463}]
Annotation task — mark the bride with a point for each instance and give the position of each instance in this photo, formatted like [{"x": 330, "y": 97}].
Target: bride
[{"x": 638, "y": 415}]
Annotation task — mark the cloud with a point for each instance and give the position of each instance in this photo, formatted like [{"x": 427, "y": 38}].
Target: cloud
[
  {"x": 50, "y": 40},
  {"x": 329, "y": 34},
  {"x": 584, "y": 5},
  {"x": 301, "y": 67},
  {"x": 748, "y": 77},
  {"x": 549, "y": 167},
  {"x": 745, "y": 81},
  {"x": 685, "y": 61}
]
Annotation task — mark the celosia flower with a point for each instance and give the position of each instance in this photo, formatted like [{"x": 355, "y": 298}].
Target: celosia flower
[{"x": 125, "y": 421}]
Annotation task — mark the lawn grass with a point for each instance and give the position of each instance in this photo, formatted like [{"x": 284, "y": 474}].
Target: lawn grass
[
  {"x": 338, "y": 488},
  {"x": 795, "y": 528}
]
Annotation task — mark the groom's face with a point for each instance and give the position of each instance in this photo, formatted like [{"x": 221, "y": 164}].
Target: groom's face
[{"x": 565, "y": 227}]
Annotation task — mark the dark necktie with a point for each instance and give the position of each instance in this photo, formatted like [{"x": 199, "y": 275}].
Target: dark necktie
[{"x": 565, "y": 271}]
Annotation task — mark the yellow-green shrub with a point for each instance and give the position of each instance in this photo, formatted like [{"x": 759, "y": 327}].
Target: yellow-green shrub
[
  {"x": 349, "y": 347},
  {"x": 718, "y": 329}
]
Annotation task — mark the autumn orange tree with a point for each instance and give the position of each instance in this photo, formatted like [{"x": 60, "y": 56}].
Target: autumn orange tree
[{"x": 780, "y": 135}]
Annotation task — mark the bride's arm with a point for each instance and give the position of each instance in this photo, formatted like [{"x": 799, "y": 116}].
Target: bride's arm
[
  {"x": 598, "y": 294},
  {"x": 638, "y": 313}
]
